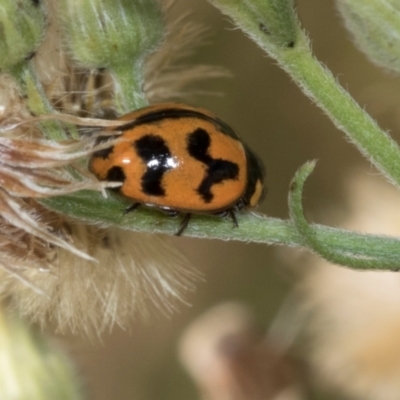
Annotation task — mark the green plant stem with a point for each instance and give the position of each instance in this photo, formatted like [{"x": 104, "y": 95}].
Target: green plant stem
[
  {"x": 252, "y": 228},
  {"x": 319, "y": 84},
  {"x": 324, "y": 248},
  {"x": 129, "y": 87}
]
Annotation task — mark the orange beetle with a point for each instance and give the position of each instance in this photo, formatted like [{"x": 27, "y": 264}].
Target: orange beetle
[{"x": 182, "y": 160}]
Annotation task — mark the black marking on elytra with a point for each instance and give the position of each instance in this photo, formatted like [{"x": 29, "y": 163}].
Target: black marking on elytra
[
  {"x": 155, "y": 153},
  {"x": 116, "y": 174},
  {"x": 177, "y": 113},
  {"x": 218, "y": 170}
]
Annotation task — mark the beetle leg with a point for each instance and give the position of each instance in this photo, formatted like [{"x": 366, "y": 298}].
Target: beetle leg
[
  {"x": 232, "y": 216},
  {"x": 131, "y": 208},
  {"x": 184, "y": 224}
]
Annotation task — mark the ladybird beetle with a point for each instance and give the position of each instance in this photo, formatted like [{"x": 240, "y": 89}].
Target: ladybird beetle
[{"x": 182, "y": 160}]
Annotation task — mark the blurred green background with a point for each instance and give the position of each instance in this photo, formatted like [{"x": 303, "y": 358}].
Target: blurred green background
[{"x": 286, "y": 129}]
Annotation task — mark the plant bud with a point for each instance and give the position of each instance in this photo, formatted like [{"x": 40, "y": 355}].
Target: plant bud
[
  {"x": 375, "y": 25},
  {"x": 108, "y": 33},
  {"x": 22, "y": 24}
]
